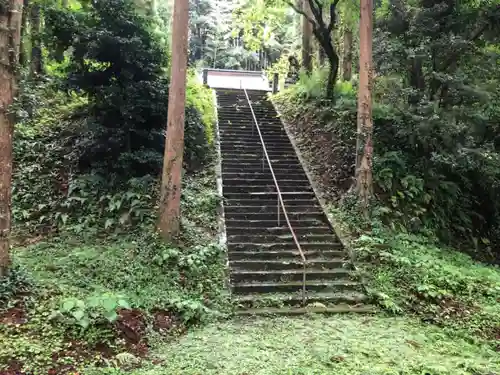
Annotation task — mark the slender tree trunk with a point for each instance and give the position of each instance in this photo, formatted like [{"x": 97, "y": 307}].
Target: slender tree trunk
[
  {"x": 347, "y": 55},
  {"x": 169, "y": 221},
  {"x": 307, "y": 32},
  {"x": 23, "y": 57},
  {"x": 36, "y": 42},
  {"x": 10, "y": 39},
  {"x": 364, "y": 151}
]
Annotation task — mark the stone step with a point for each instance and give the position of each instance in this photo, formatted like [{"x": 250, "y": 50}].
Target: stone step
[
  {"x": 285, "y": 246},
  {"x": 234, "y": 186},
  {"x": 281, "y": 230},
  {"x": 264, "y": 176},
  {"x": 274, "y": 216},
  {"x": 294, "y": 311},
  {"x": 286, "y": 195},
  {"x": 301, "y": 184},
  {"x": 298, "y": 205},
  {"x": 263, "y": 224},
  {"x": 246, "y": 131},
  {"x": 263, "y": 238},
  {"x": 256, "y": 155},
  {"x": 286, "y": 264},
  {"x": 286, "y": 255},
  {"x": 271, "y": 188},
  {"x": 257, "y": 147},
  {"x": 254, "y": 140},
  {"x": 295, "y": 286},
  {"x": 256, "y": 144},
  {"x": 287, "y": 275},
  {"x": 258, "y": 172},
  {"x": 295, "y": 299}
]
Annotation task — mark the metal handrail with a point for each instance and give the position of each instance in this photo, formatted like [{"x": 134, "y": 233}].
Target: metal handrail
[{"x": 280, "y": 200}]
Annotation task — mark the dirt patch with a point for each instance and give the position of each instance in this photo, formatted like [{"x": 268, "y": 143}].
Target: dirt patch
[
  {"x": 13, "y": 316},
  {"x": 327, "y": 149},
  {"x": 131, "y": 325}
]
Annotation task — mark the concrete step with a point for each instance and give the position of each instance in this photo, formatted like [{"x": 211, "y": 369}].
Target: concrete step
[
  {"x": 256, "y": 155},
  {"x": 296, "y": 286},
  {"x": 257, "y": 147},
  {"x": 264, "y": 187},
  {"x": 258, "y": 172},
  {"x": 286, "y": 195},
  {"x": 260, "y": 175},
  {"x": 263, "y": 238},
  {"x": 301, "y": 184},
  {"x": 286, "y": 255},
  {"x": 281, "y": 230},
  {"x": 271, "y": 188},
  {"x": 295, "y": 299},
  {"x": 293, "y": 311},
  {"x": 300, "y": 205},
  {"x": 244, "y": 131},
  {"x": 263, "y": 224},
  {"x": 287, "y": 275},
  {"x": 285, "y": 246},
  {"x": 274, "y": 216},
  {"x": 286, "y": 264}
]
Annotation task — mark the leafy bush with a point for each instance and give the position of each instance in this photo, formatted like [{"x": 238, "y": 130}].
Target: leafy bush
[
  {"x": 432, "y": 168},
  {"x": 445, "y": 287},
  {"x": 120, "y": 64}
]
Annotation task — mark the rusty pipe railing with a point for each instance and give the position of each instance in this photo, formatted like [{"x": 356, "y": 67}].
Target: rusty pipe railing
[{"x": 280, "y": 199}]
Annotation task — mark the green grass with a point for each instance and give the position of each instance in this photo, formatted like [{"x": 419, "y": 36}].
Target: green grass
[{"x": 341, "y": 344}]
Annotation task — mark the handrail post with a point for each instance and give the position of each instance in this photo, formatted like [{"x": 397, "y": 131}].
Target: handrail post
[
  {"x": 275, "y": 83},
  {"x": 205, "y": 76},
  {"x": 304, "y": 284},
  {"x": 278, "y": 206}
]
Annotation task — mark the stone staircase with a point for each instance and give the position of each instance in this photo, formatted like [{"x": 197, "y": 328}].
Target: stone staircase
[{"x": 266, "y": 269}]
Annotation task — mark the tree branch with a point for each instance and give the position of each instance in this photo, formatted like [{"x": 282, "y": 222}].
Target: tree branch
[
  {"x": 301, "y": 12},
  {"x": 333, "y": 17},
  {"x": 318, "y": 13}
]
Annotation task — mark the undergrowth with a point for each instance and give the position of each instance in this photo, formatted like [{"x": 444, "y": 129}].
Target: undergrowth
[
  {"x": 407, "y": 267},
  {"x": 91, "y": 299},
  {"x": 319, "y": 345}
]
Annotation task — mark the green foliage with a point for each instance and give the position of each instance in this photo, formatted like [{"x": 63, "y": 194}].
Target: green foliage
[
  {"x": 339, "y": 344},
  {"x": 84, "y": 286},
  {"x": 117, "y": 61},
  {"x": 91, "y": 310},
  {"x": 14, "y": 287},
  {"x": 201, "y": 98},
  {"x": 445, "y": 287}
]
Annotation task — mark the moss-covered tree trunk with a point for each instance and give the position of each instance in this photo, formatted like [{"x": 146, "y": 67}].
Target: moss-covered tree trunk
[
  {"x": 36, "y": 40},
  {"x": 10, "y": 38},
  {"x": 365, "y": 122},
  {"x": 169, "y": 219},
  {"x": 307, "y": 33},
  {"x": 23, "y": 56},
  {"x": 347, "y": 55}
]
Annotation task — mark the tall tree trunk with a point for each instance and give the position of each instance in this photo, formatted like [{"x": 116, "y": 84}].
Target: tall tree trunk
[
  {"x": 169, "y": 221},
  {"x": 307, "y": 32},
  {"x": 36, "y": 41},
  {"x": 347, "y": 55},
  {"x": 23, "y": 57},
  {"x": 10, "y": 39},
  {"x": 364, "y": 144}
]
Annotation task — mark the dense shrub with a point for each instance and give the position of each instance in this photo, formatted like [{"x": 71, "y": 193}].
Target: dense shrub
[
  {"x": 120, "y": 65},
  {"x": 432, "y": 168}
]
